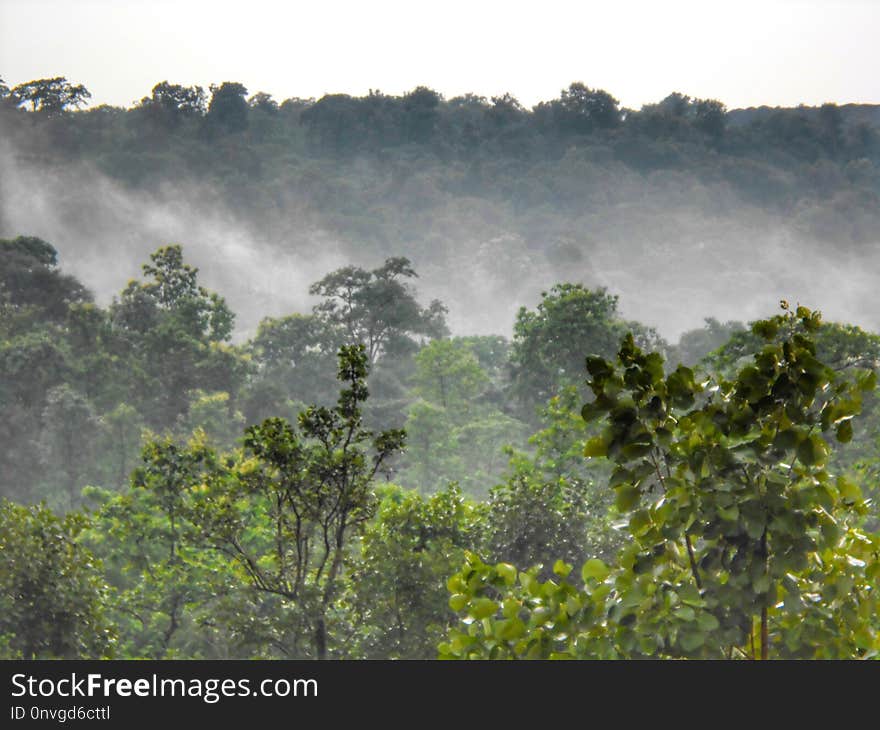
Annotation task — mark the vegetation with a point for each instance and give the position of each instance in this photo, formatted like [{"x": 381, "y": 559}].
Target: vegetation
[{"x": 354, "y": 481}]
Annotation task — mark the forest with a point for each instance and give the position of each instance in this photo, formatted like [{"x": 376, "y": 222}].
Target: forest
[{"x": 446, "y": 435}]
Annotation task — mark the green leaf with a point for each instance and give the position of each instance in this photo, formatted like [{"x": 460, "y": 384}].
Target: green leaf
[
  {"x": 599, "y": 368},
  {"x": 638, "y": 448},
  {"x": 707, "y": 621},
  {"x": 812, "y": 451},
  {"x": 685, "y": 613},
  {"x": 483, "y": 608},
  {"x": 845, "y": 432},
  {"x": 691, "y": 641},
  {"x": 640, "y": 522},
  {"x": 596, "y": 569},
  {"x": 458, "y": 601},
  {"x": 786, "y": 439},
  {"x": 867, "y": 381},
  {"x": 561, "y": 568},
  {"x": 849, "y": 490},
  {"x": 627, "y": 497},
  {"x": 507, "y": 573},
  {"x": 621, "y": 475},
  {"x": 596, "y": 447}
]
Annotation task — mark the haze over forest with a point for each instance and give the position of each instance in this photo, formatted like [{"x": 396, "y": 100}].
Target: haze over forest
[
  {"x": 684, "y": 216},
  {"x": 409, "y": 376}
]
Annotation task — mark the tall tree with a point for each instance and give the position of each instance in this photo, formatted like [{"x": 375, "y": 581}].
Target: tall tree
[
  {"x": 68, "y": 439},
  {"x": 286, "y": 512},
  {"x": 51, "y": 96},
  {"x": 228, "y": 109},
  {"x": 52, "y": 594},
  {"x": 551, "y": 341},
  {"x": 743, "y": 544},
  {"x": 377, "y": 308}
]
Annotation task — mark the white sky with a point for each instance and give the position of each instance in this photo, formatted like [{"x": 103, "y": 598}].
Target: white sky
[{"x": 745, "y": 53}]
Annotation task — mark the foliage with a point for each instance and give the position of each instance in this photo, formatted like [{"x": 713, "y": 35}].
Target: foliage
[
  {"x": 31, "y": 287},
  {"x": 398, "y": 582},
  {"x": 50, "y": 96},
  {"x": 549, "y": 343},
  {"x": 285, "y": 512},
  {"x": 51, "y": 588},
  {"x": 67, "y": 440},
  {"x": 174, "y": 328},
  {"x": 448, "y": 373},
  {"x": 743, "y": 544},
  {"x": 376, "y": 308}
]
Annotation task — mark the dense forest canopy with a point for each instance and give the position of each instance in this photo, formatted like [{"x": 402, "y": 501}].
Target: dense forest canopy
[
  {"x": 492, "y": 202},
  {"x": 367, "y": 377}
]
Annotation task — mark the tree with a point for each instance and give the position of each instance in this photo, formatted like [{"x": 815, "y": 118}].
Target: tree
[
  {"x": 228, "y": 109},
  {"x": 170, "y": 104},
  {"x": 448, "y": 373},
  {"x": 165, "y": 587},
  {"x": 710, "y": 117},
  {"x": 549, "y": 343},
  {"x": 742, "y": 542},
  {"x": 420, "y": 112},
  {"x": 172, "y": 331},
  {"x": 51, "y": 591},
  {"x": 583, "y": 110},
  {"x": 68, "y": 439},
  {"x": 123, "y": 428},
  {"x": 213, "y": 415},
  {"x": 532, "y": 520},
  {"x": 377, "y": 308},
  {"x": 30, "y": 366},
  {"x": 286, "y": 511},
  {"x": 695, "y": 344},
  {"x": 333, "y": 124},
  {"x": 31, "y": 286},
  {"x": 397, "y": 590},
  {"x": 264, "y": 102},
  {"x": 50, "y": 96},
  {"x": 294, "y": 359}
]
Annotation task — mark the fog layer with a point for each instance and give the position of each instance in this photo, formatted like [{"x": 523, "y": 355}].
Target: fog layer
[{"x": 673, "y": 248}]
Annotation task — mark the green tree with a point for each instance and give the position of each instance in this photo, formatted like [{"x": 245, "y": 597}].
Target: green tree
[
  {"x": 68, "y": 440},
  {"x": 397, "y": 591},
  {"x": 213, "y": 414},
  {"x": 584, "y": 110},
  {"x": 51, "y": 96},
  {"x": 448, "y": 373},
  {"x": 377, "y": 308},
  {"x": 123, "y": 428},
  {"x": 294, "y": 359},
  {"x": 421, "y": 113},
  {"x": 228, "y": 109},
  {"x": 695, "y": 344},
  {"x": 172, "y": 288},
  {"x": 165, "y": 586},
  {"x": 742, "y": 542},
  {"x": 169, "y": 105},
  {"x": 52, "y": 594},
  {"x": 172, "y": 332},
  {"x": 552, "y": 503},
  {"x": 532, "y": 520},
  {"x": 286, "y": 511},
  {"x": 32, "y": 289},
  {"x": 550, "y": 342},
  {"x": 264, "y": 102}
]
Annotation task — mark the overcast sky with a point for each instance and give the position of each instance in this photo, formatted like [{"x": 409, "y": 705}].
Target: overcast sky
[{"x": 745, "y": 53}]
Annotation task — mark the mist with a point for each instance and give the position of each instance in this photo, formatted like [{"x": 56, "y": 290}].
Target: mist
[{"x": 675, "y": 249}]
